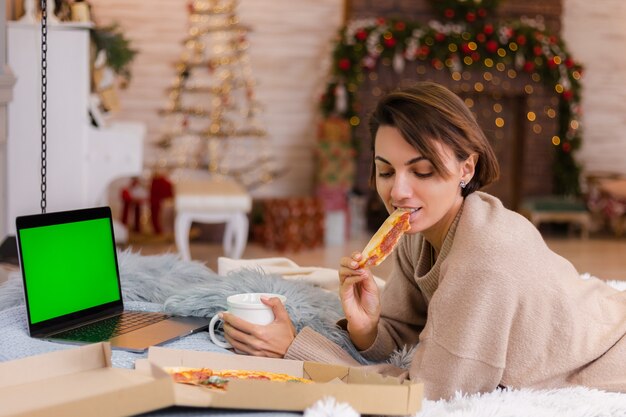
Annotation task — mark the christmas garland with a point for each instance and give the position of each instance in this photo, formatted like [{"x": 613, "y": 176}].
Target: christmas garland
[{"x": 466, "y": 41}]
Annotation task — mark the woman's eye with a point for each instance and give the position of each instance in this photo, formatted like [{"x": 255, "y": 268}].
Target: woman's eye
[
  {"x": 422, "y": 174},
  {"x": 385, "y": 174}
]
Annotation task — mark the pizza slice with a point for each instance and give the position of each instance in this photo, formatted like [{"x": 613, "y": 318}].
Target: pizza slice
[
  {"x": 218, "y": 380},
  {"x": 386, "y": 238}
]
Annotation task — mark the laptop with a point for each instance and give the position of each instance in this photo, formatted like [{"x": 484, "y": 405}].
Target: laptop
[{"x": 72, "y": 285}]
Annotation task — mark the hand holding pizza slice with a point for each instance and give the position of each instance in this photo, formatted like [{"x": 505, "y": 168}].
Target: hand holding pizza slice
[{"x": 386, "y": 238}]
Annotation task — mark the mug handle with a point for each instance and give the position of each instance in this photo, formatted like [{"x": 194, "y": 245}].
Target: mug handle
[{"x": 214, "y": 339}]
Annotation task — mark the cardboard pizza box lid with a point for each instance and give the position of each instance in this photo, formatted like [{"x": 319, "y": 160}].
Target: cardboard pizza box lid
[
  {"x": 80, "y": 382},
  {"x": 367, "y": 393}
]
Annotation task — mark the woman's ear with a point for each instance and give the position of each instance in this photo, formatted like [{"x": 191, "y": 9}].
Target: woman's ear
[{"x": 468, "y": 167}]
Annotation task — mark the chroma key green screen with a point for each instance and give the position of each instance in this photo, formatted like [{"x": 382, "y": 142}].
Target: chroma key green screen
[{"x": 68, "y": 267}]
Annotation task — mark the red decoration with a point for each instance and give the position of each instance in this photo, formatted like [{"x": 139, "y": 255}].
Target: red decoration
[
  {"x": 537, "y": 50},
  {"x": 529, "y": 66},
  {"x": 160, "y": 189},
  {"x": 481, "y": 37},
  {"x": 566, "y": 147},
  {"x": 470, "y": 17},
  {"x": 390, "y": 42},
  {"x": 400, "y": 25},
  {"x": 361, "y": 35},
  {"x": 449, "y": 13},
  {"x": 440, "y": 37},
  {"x": 521, "y": 40},
  {"x": 552, "y": 63},
  {"x": 491, "y": 46},
  {"x": 568, "y": 95},
  {"x": 488, "y": 29},
  {"x": 344, "y": 64},
  {"x": 482, "y": 12}
]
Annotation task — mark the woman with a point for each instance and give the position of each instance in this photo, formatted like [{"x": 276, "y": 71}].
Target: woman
[{"x": 474, "y": 283}]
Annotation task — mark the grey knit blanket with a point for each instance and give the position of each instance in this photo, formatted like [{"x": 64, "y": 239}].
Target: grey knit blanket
[{"x": 187, "y": 288}]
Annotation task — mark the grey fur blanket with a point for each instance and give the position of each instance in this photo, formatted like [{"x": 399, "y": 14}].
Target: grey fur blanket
[{"x": 191, "y": 289}]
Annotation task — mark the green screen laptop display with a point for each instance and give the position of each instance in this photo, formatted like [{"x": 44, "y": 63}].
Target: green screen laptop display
[{"x": 68, "y": 267}]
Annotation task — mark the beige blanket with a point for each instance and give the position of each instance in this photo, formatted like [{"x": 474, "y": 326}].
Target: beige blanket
[{"x": 326, "y": 278}]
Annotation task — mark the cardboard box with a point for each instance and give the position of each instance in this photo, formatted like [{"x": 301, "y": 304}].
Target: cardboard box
[
  {"x": 368, "y": 393},
  {"x": 80, "y": 382}
]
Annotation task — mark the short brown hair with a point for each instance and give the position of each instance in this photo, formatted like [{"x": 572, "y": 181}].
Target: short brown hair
[{"x": 427, "y": 112}]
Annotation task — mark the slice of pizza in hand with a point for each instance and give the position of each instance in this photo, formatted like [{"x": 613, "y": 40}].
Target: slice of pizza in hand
[{"x": 386, "y": 238}]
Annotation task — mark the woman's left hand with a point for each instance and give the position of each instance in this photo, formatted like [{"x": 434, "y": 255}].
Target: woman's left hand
[{"x": 271, "y": 340}]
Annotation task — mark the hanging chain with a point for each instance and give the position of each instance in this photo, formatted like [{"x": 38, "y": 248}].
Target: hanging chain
[{"x": 44, "y": 99}]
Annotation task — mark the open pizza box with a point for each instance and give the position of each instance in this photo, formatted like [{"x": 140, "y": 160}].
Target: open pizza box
[
  {"x": 367, "y": 393},
  {"x": 80, "y": 382}
]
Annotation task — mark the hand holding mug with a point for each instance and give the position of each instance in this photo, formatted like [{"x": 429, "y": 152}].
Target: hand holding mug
[{"x": 248, "y": 307}]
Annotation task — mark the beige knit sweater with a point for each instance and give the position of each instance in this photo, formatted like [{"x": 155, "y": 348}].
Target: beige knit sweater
[{"x": 497, "y": 308}]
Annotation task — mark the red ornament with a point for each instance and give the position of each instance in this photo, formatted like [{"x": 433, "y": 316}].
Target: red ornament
[
  {"x": 488, "y": 29},
  {"x": 470, "y": 17},
  {"x": 380, "y": 21},
  {"x": 552, "y": 63},
  {"x": 569, "y": 62},
  {"x": 361, "y": 35},
  {"x": 568, "y": 95},
  {"x": 440, "y": 37},
  {"x": 521, "y": 40},
  {"x": 475, "y": 57},
  {"x": 466, "y": 49},
  {"x": 344, "y": 64},
  {"x": 400, "y": 26},
  {"x": 448, "y": 13},
  {"x": 482, "y": 12},
  {"x": 424, "y": 50},
  {"x": 491, "y": 46},
  {"x": 566, "y": 147},
  {"x": 537, "y": 50},
  {"x": 553, "y": 39},
  {"x": 390, "y": 42},
  {"x": 529, "y": 66},
  {"x": 481, "y": 37}
]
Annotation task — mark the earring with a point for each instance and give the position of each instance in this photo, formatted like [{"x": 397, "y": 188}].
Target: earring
[{"x": 462, "y": 184}]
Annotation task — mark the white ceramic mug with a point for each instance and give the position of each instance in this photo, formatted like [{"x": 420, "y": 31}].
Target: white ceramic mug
[{"x": 249, "y": 307}]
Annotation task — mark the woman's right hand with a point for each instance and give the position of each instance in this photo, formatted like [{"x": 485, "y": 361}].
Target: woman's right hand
[{"x": 360, "y": 299}]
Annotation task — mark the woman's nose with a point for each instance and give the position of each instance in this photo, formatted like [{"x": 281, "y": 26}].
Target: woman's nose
[{"x": 401, "y": 188}]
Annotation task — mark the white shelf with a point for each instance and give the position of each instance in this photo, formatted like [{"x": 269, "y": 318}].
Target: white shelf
[{"x": 81, "y": 159}]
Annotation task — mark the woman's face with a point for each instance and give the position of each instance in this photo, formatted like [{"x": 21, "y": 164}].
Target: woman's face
[{"x": 404, "y": 178}]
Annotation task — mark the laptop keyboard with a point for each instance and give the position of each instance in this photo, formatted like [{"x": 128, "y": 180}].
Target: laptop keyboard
[{"x": 113, "y": 326}]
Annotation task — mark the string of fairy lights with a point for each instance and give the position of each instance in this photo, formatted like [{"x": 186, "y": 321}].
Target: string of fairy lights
[
  {"x": 480, "y": 56},
  {"x": 212, "y": 114}
]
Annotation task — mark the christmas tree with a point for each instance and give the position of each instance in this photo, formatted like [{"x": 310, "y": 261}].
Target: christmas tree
[{"x": 212, "y": 114}]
